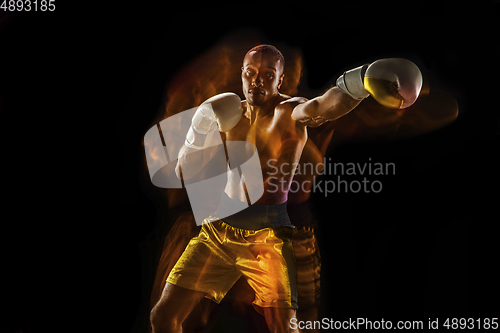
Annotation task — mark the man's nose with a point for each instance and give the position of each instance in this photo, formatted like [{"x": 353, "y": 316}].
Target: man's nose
[{"x": 257, "y": 80}]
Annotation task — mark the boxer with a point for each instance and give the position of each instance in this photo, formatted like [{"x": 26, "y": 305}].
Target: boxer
[{"x": 256, "y": 242}]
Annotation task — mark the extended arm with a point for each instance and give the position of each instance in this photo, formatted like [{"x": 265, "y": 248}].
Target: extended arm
[
  {"x": 394, "y": 83},
  {"x": 333, "y": 104}
]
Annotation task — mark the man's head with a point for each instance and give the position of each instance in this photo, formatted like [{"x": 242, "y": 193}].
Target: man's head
[{"x": 262, "y": 74}]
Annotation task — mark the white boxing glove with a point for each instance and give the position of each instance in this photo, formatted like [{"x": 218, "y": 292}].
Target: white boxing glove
[
  {"x": 393, "y": 82},
  {"x": 221, "y": 112}
]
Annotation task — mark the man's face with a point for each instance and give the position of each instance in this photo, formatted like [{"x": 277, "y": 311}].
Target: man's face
[{"x": 261, "y": 76}]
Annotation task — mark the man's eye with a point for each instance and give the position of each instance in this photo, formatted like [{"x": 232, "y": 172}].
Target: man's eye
[
  {"x": 270, "y": 75},
  {"x": 250, "y": 72}
]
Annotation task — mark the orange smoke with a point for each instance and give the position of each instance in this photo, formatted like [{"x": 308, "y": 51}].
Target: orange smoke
[
  {"x": 434, "y": 109},
  {"x": 176, "y": 241},
  {"x": 218, "y": 70}
]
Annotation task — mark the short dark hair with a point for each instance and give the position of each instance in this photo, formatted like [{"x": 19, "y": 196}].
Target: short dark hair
[{"x": 269, "y": 49}]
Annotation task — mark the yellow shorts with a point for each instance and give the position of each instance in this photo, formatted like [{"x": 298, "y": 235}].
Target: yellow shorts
[{"x": 215, "y": 259}]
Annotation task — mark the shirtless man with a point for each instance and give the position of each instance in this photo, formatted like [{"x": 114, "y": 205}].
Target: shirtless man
[{"x": 256, "y": 242}]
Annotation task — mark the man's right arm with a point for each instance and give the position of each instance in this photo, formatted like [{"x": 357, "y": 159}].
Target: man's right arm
[
  {"x": 190, "y": 160},
  {"x": 213, "y": 117}
]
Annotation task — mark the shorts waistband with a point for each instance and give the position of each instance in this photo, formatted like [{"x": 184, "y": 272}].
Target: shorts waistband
[
  {"x": 301, "y": 215},
  {"x": 254, "y": 217}
]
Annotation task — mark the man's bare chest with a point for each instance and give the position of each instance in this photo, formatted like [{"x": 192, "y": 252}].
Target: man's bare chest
[{"x": 269, "y": 134}]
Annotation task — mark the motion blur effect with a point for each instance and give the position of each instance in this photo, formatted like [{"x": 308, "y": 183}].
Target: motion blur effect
[{"x": 219, "y": 70}]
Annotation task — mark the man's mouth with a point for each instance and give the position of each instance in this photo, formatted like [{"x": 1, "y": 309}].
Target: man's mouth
[{"x": 256, "y": 91}]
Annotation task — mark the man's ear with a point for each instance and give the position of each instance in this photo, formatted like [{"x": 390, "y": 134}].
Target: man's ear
[{"x": 280, "y": 81}]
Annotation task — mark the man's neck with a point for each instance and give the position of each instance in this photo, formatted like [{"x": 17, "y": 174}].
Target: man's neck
[{"x": 253, "y": 112}]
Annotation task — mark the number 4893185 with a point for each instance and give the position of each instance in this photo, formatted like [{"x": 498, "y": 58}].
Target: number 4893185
[{"x": 28, "y": 5}]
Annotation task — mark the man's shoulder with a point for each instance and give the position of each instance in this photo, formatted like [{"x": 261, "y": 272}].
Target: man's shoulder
[
  {"x": 292, "y": 100},
  {"x": 285, "y": 107},
  {"x": 288, "y": 103}
]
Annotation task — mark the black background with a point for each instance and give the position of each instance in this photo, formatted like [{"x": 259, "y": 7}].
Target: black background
[{"x": 424, "y": 247}]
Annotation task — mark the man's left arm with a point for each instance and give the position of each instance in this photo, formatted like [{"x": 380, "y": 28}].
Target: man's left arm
[
  {"x": 333, "y": 104},
  {"x": 394, "y": 83}
]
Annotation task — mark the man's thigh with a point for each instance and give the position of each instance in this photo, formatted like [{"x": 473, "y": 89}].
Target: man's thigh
[
  {"x": 206, "y": 265},
  {"x": 279, "y": 320},
  {"x": 269, "y": 267},
  {"x": 176, "y": 303}
]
